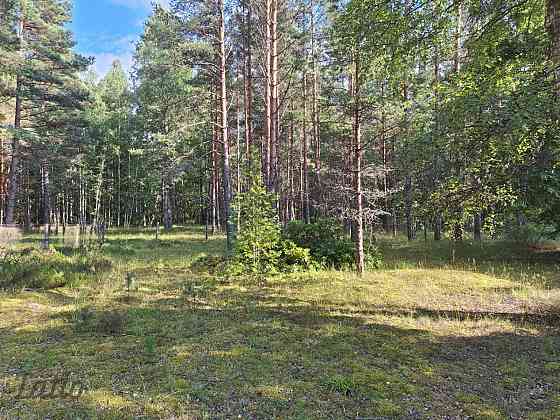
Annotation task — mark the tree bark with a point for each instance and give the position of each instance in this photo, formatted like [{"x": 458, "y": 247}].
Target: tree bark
[
  {"x": 274, "y": 99},
  {"x": 167, "y": 207},
  {"x": 98, "y": 194},
  {"x": 477, "y": 222},
  {"x": 359, "y": 234},
  {"x": 305, "y": 165},
  {"x": 438, "y": 225},
  {"x": 268, "y": 95},
  {"x": 45, "y": 186},
  {"x": 230, "y": 230},
  {"x": 248, "y": 82},
  {"x": 553, "y": 28},
  {"x": 408, "y": 206},
  {"x": 13, "y": 187},
  {"x": 315, "y": 99}
]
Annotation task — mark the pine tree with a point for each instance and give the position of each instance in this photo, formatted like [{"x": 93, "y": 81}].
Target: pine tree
[{"x": 48, "y": 94}]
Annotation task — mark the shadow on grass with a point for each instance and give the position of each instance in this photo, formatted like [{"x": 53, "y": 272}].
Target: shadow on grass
[
  {"x": 498, "y": 258},
  {"x": 255, "y": 354}
]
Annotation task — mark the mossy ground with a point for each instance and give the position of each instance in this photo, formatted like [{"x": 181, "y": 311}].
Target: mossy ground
[{"x": 417, "y": 339}]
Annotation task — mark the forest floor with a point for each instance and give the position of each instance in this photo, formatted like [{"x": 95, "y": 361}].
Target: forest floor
[{"x": 418, "y": 339}]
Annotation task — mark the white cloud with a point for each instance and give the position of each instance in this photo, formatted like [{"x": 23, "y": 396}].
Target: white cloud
[
  {"x": 116, "y": 48},
  {"x": 104, "y": 61}
]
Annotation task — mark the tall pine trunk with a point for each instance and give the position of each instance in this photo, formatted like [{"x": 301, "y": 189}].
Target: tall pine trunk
[
  {"x": 359, "y": 232},
  {"x": 45, "y": 187},
  {"x": 306, "y": 210},
  {"x": 268, "y": 94},
  {"x": 13, "y": 187},
  {"x": 553, "y": 28},
  {"x": 274, "y": 100},
  {"x": 226, "y": 178},
  {"x": 248, "y": 81}
]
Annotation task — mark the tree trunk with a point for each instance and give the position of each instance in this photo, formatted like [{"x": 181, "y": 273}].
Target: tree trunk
[
  {"x": 238, "y": 161},
  {"x": 315, "y": 97},
  {"x": 359, "y": 234},
  {"x": 14, "y": 165},
  {"x": 274, "y": 100},
  {"x": 167, "y": 207},
  {"x": 98, "y": 193},
  {"x": 268, "y": 95},
  {"x": 553, "y": 28},
  {"x": 408, "y": 205},
  {"x": 477, "y": 227},
  {"x": 248, "y": 82},
  {"x": 438, "y": 225},
  {"x": 225, "y": 137},
  {"x": 45, "y": 187},
  {"x": 305, "y": 165},
  {"x": 13, "y": 187}
]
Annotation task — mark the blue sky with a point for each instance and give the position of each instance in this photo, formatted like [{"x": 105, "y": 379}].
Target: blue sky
[{"x": 107, "y": 29}]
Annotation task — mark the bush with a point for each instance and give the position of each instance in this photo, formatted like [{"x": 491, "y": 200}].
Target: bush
[
  {"x": 111, "y": 323},
  {"x": 373, "y": 258},
  {"x": 328, "y": 245},
  {"x": 294, "y": 258},
  {"x": 527, "y": 235},
  {"x": 211, "y": 264},
  {"x": 35, "y": 269},
  {"x": 326, "y": 241},
  {"x": 259, "y": 248}
]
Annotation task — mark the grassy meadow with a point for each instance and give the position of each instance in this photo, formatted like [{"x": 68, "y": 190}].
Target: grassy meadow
[{"x": 418, "y": 339}]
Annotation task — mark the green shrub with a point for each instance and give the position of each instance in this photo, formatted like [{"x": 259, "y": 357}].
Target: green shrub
[
  {"x": 35, "y": 269},
  {"x": 294, "y": 258},
  {"x": 259, "y": 247},
  {"x": 328, "y": 245},
  {"x": 373, "y": 257},
  {"x": 527, "y": 235},
  {"x": 212, "y": 264},
  {"x": 111, "y": 323},
  {"x": 341, "y": 384}
]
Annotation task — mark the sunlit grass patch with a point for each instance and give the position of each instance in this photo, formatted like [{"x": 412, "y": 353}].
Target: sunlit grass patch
[{"x": 473, "y": 339}]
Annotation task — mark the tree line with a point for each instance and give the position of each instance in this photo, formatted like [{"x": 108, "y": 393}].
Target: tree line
[{"x": 438, "y": 117}]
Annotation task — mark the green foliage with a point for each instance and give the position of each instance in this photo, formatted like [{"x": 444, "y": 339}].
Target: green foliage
[
  {"x": 36, "y": 269},
  {"x": 528, "y": 235},
  {"x": 110, "y": 323},
  {"x": 342, "y": 384},
  {"x": 211, "y": 264},
  {"x": 373, "y": 257},
  {"x": 150, "y": 346},
  {"x": 328, "y": 245},
  {"x": 260, "y": 247}
]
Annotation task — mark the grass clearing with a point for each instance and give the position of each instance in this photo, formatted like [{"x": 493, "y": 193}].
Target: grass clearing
[{"x": 417, "y": 339}]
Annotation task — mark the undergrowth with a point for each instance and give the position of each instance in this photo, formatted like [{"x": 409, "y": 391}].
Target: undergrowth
[{"x": 32, "y": 268}]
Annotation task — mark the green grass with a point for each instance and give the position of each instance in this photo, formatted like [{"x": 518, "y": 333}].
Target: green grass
[{"x": 420, "y": 338}]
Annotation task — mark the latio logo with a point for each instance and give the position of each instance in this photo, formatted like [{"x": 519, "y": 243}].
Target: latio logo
[{"x": 57, "y": 387}]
